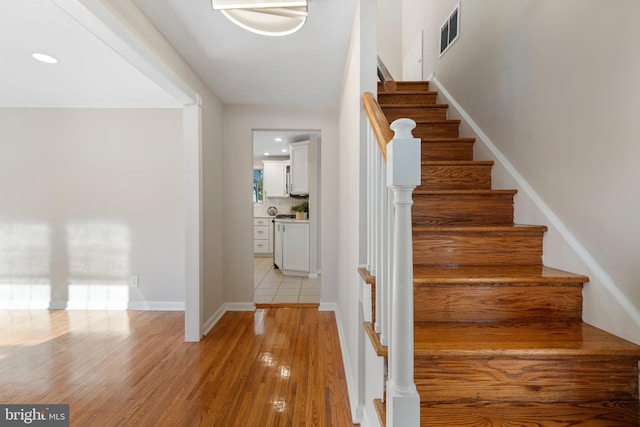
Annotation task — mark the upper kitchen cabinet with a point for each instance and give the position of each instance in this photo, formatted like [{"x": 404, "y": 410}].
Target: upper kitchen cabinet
[
  {"x": 275, "y": 179},
  {"x": 299, "y": 177}
]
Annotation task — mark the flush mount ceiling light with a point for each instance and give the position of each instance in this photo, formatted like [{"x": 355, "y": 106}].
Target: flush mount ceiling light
[{"x": 269, "y": 18}]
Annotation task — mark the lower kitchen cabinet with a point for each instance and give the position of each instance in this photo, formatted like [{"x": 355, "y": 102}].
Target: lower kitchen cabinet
[
  {"x": 292, "y": 247},
  {"x": 261, "y": 235}
]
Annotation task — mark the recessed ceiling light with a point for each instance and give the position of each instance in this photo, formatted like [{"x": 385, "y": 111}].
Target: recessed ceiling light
[
  {"x": 267, "y": 154},
  {"x": 278, "y": 139},
  {"x": 284, "y": 150},
  {"x": 44, "y": 58}
]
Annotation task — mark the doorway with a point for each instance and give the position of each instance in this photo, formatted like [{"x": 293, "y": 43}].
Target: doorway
[{"x": 279, "y": 158}]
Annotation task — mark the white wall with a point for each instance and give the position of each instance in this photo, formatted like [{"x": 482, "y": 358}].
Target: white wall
[
  {"x": 360, "y": 77},
  {"x": 389, "y": 36},
  {"x": 89, "y": 198},
  {"x": 213, "y": 297},
  {"x": 554, "y": 86},
  {"x": 239, "y": 123},
  {"x": 427, "y": 16}
]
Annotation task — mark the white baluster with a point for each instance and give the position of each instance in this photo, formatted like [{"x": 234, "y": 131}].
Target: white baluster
[
  {"x": 403, "y": 174},
  {"x": 384, "y": 275}
]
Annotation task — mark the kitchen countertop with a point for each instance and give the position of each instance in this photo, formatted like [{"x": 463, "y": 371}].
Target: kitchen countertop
[{"x": 290, "y": 220}]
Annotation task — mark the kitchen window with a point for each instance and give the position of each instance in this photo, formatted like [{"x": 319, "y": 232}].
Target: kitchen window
[{"x": 258, "y": 175}]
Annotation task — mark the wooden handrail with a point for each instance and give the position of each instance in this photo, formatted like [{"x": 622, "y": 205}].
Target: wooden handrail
[
  {"x": 378, "y": 121},
  {"x": 385, "y": 77}
]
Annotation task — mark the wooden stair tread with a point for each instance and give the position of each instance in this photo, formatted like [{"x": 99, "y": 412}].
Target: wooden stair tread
[
  {"x": 457, "y": 163},
  {"x": 381, "y": 350},
  {"x": 366, "y": 276},
  {"x": 493, "y": 274},
  {"x": 442, "y": 139},
  {"x": 423, "y": 192},
  {"x": 409, "y": 82},
  {"x": 506, "y": 414},
  {"x": 434, "y": 121},
  {"x": 414, "y": 106},
  {"x": 412, "y": 92},
  {"x": 527, "y": 340},
  {"x": 518, "y": 228}
]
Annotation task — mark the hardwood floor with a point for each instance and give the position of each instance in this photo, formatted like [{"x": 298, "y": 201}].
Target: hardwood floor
[{"x": 272, "y": 367}]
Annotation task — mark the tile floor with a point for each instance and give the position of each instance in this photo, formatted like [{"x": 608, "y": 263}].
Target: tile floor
[{"x": 271, "y": 286}]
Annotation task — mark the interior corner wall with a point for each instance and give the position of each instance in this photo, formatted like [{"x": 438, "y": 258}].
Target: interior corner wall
[
  {"x": 91, "y": 197},
  {"x": 239, "y": 123},
  {"x": 557, "y": 94}
]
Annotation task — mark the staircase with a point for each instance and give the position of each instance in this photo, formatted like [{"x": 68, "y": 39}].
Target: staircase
[{"x": 499, "y": 338}]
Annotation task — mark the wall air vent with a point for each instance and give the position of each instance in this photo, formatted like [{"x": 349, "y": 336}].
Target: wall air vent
[{"x": 450, "y": 30}]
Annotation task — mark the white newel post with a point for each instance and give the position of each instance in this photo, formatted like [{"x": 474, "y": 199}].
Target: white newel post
[{"x": 403, "y": 175}]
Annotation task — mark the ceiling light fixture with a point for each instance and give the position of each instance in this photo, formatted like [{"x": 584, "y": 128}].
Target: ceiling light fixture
[
  {"x": 267, "y": 154},
  {"x": 269, "y": 18},
  {"x": 44, "y": 58},
  {"x": 278, "y": 139}
]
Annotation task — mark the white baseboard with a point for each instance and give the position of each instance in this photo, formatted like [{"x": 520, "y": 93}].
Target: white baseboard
[
  {"x": 106, "y": 305},
  {"x": 230, "y": 306},
  {"x": 328, "y": 306},
  {"x": 240, "y": 306},
  {"x": 348, "y": 372},
  {"x": 598, "y": 275},
  {"x": 211, "y": 321}
]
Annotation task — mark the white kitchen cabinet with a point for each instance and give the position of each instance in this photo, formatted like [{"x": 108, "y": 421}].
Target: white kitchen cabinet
[
  {"x": 295, "y": 247},
  {"x": 299, "y": 177},
  {"x": 274, "y": 179},
  {"x": 262, "y": 235},
  {"x": 292, "y": 247}
]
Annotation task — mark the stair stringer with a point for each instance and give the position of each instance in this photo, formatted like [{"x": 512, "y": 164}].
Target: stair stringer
[{"x": 604, "y": 304}]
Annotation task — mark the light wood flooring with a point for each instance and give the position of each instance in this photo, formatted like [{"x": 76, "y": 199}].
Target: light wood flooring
[{"x": 271, "y": 367}]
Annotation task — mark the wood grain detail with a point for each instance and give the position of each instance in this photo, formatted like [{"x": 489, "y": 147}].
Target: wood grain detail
[
  {"x": 408, "y": 98},
  {"x": 526, "y": 380},
  {"x": 272, "y": 367},
  {"x": 374, "y": 338},
  {"x": 456, "y": 176},
  {"x": 477, "y": 247},
  {"x": 379, "y": 123},
  {"x": 417, "y": 112},
  {"x": 434, "y": 149},
  {"x": 407, "y": 86},
  {"x": 463, "y": 208},
  {"x": 436, "y": 129},
  {"x": 498, "y": 303},
  {"x": 366, "y": 276}
]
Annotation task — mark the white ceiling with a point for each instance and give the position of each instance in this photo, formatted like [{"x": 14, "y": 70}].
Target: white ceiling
[
  {"x": 246, "y": 68},
  {"x": 88, "y": 74},
  {"x": 241, "y": 67},
  {"x": 264, "y": 141}
]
